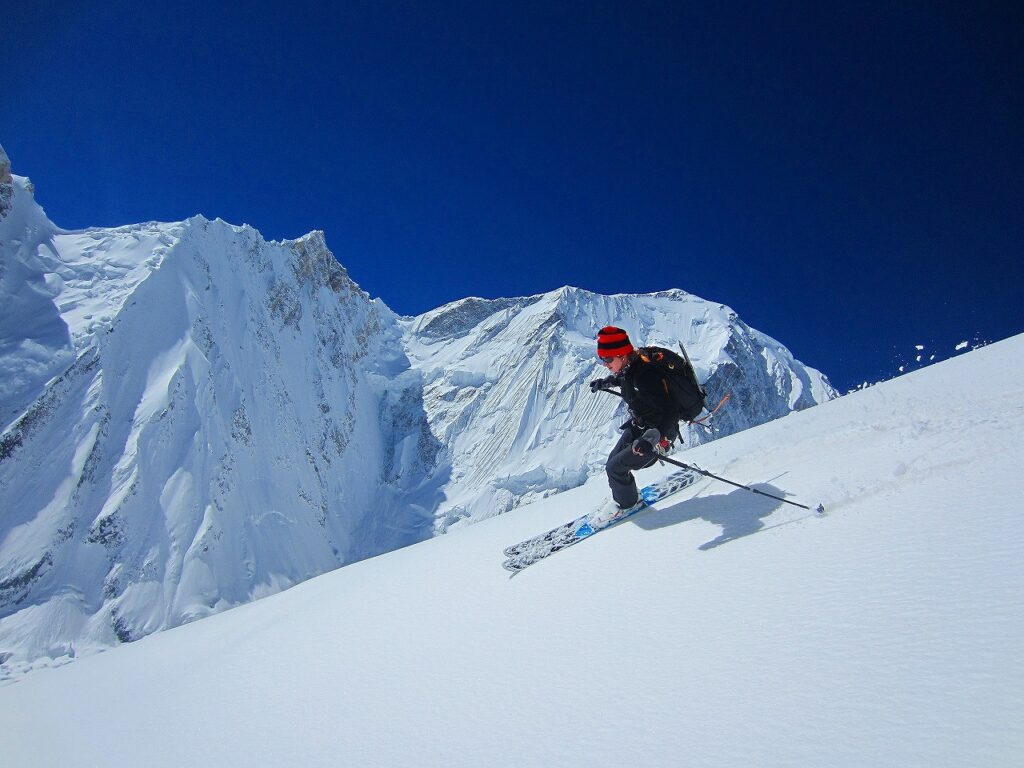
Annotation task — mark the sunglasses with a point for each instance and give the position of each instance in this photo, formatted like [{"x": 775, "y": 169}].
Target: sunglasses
[{"x": 605, "y": 360}]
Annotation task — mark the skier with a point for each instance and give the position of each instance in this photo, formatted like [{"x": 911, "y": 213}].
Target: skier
[{"x": 653, "y": 423}]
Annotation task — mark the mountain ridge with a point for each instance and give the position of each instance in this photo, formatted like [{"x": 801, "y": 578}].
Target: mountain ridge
[{"x": 208, "y": 417}]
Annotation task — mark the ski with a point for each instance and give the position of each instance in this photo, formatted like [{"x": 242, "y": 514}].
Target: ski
[{"x": 528, "y": 552}]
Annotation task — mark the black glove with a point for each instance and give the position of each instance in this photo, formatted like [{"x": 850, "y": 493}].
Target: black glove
[
  {"x": 598, "y": 384},
  {"x": 642, "y": 447}
]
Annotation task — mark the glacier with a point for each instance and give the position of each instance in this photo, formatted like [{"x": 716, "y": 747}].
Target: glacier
[{"x": 195, "y": 417}]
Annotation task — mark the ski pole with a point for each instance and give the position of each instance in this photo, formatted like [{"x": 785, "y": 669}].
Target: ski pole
[{"x": 820, "y": 509}]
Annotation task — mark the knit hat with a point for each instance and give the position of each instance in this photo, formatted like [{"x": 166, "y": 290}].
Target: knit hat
[{"x": 613, "y": 342}]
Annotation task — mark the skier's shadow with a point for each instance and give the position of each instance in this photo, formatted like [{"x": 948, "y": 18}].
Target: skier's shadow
[{"x": 739, "y": 514}]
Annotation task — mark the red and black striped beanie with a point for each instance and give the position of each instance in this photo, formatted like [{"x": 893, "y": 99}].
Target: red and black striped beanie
[{"x": 613, "y": 342}]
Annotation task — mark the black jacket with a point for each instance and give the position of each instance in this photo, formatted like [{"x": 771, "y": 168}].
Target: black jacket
[{"x": 646, "y": 393}]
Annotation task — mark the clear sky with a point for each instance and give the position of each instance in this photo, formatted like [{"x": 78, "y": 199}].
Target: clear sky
[{"x": 849, "y": 178}]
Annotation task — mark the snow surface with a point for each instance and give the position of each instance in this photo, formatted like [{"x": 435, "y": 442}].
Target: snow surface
[{"x": 719, "y": 629}]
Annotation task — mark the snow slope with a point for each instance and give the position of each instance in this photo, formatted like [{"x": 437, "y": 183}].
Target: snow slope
[{"x": 719, "y": 629}]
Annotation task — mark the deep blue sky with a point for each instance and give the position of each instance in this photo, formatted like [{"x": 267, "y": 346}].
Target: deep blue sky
[{"x": 849, "y": 180}]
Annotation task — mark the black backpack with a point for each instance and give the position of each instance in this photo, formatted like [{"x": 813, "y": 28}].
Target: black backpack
[{"x": 678, "y": 378}]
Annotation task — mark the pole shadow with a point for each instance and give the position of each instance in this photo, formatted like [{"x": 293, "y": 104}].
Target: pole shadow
[{"x": 739, "y": 514}]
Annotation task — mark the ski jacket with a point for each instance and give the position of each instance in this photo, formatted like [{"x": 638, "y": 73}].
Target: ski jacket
[{"x": 648, "y": 401}]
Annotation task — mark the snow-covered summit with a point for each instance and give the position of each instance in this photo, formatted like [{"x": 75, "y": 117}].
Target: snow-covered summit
[
  {"x": 506, "y": 385},
  {"x": 35, "y": 342},
  {"x": 194, "y": 417}
]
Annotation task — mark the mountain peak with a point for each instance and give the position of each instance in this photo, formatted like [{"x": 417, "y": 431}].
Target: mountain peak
[{"x": 6, "y": 184}]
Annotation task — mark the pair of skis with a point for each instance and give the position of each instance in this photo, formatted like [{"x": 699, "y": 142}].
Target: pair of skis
[{"x": 528, "y": 552}]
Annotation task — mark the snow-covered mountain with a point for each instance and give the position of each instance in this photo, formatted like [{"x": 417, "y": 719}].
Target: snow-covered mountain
[
  {"x": 194, "y": 417},
  {"x": 506, "y": 386},
  {"x": 718, "y": 630}
]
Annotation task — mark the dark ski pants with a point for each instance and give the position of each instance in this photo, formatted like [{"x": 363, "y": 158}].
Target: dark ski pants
[{"x": 621, "y": 463}]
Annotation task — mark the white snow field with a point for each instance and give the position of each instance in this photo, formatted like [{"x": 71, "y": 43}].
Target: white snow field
[{"x": 719, "y": 629}]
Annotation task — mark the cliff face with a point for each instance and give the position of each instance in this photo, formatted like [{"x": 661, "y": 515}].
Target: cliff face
[{"x": 201, "y": 418}]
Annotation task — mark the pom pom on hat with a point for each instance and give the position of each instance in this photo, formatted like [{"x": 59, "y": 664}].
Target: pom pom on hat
[{"x": 613, "y": 342}]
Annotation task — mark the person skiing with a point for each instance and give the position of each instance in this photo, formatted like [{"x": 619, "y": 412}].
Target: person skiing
[{"x": 653, "y": 423}]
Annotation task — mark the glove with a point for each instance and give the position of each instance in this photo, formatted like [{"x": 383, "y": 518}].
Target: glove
[
  {"x": 642, "y": 447},
  {"x": 598, "y": 384}
]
